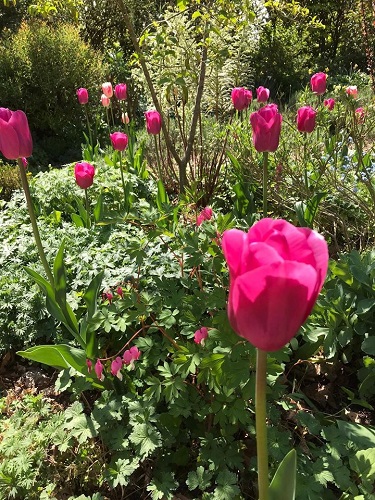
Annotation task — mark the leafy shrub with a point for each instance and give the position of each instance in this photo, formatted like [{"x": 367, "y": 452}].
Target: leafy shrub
[
  {"x": 9, "y": 181},
  {"x": 40, "y": 69}
]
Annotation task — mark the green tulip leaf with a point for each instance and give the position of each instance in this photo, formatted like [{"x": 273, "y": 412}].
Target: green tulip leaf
[
  {"x": 58, "y": 356},
  {"x": 283, "y": 485}
]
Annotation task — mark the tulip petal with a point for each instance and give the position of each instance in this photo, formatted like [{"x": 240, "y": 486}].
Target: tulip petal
[
  {"x": 19, "y": 122},
  {"x": 9, "y": 143},
  {"x": 268, "y": 305},
  {"x": 233, "y": 244}
]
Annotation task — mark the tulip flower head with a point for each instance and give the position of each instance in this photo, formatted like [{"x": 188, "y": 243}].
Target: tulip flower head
[
  {"x": 153, "y": 122},
  {"x": 121, "y": 91},
  {"x": 107, "y": 89},
  {"x": 276, "y": 272},
  {"x": 15, "y": 136},
  {"x": 329, "y": 103},
  {"x": 125, "y": 118},
  {"x": 84, "y": 173},
  {"x": 241, "y": 98},
  {"x": 266, "y": 125},
  {"x": 206, "y": 214},
  {"x": 99, "y": 370},
  {"x": 318, "y": 83},
  {"x": 306, "y": 119},
  {"x": 130, "y": 356},
  {"x": 82, "y": 95},
  {"x": 119, "y": 141},
  {"x": 106, "y": 101},
  {"x": 201, "y": 335},
  {"x": 116, "y": 366},
  {"x": 352, "y": 91},
  {"x": 263, "y": 94}
]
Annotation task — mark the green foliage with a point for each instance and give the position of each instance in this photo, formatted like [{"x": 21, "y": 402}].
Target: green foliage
[
  {"x": 9, "y": 181},
  {"x": 40, "y": 69}
]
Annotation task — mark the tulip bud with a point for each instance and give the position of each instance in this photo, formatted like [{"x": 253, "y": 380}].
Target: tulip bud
[
  {"x": 266, "y": 125},
  {"x": 105, "y": 101},
  {"x": 241, "y": 98},
  {"x": 119, "y": 141},
  {"x": 318, "y": 83},
  {"x": 84, "y": 173},
  {"x": 263, "y": 94},
  {"x": 306, "y": 119},
  {"x": 15, "y": 136},
  {"x": 107, "y": 89},
  {"x": 153, "y": 122},
  {"x": 120, "y": 91},
  {"x": 82, "y": 95}
]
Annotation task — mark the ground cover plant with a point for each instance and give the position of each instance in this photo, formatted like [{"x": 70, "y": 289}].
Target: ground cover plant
[{"x": 134, "y": 283}]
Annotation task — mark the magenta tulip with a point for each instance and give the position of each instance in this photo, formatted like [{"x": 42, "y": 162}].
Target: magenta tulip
[
  {"x": 84, "y": 173},
  {"x": 15, "y": 136},
  {"x": 318, "y": 83},
  {"x": 120, "y": 91},
  {"x": 82, "y": 95},
  {"x": 276, "y": 272},
  {"x": 119, "y": 141},
  {"x": 329, "y": 103},
  {"x": 306, "y": 119},
  {"x": 107, "y": 89},
  {"x": 263, "y": 94},
  {"x": 241, "y": 98},
  {"x": 266, "y": 125},
  {"x": 153, "y": 122}
]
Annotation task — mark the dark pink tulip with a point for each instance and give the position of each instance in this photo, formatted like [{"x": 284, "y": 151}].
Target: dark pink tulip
[
  {"x": 241, "y": 98},
  {"x": 82, "y": 95},
  {"x": 318, "y": 83},
  {"x": 263, "y": 94},
  {"x": 120, "y": 91},
  {"x": 84, "y": 173},
  {"x": 15, "y": 136},
  {"x": 119, "y": 141},
  {"x": 306, "y": 119},
  {"x": 153, "y": 122},
  {"x": 266, "y": 125},
  {"x": 276, "y": 272},
  {"x": 329, "y": 103}
]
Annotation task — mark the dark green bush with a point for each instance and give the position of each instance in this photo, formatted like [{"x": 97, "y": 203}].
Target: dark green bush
[
  {"x": 9, "y": 181},
  {"x": 40, "y": 69}
]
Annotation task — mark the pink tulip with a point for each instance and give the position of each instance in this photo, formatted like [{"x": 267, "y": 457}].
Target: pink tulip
[
  {"x": 120, "y": 91},
  {"x": 276, "y": 272},
  {"x": 318, "y": 83},
  {"x": 106, "y": 101},
  {"x": 329, "y": 103},
  {"x": 99, "y": 370},
  {"x": 263, "y": 94},
  {"x": 352, "y": 91},
  {"x": 84, "y": 173},
  {"x": 24, "y": 162},
  {"x": 107, "y": 89},
  {"x": 116, "y": 366},
  {"x": 201, "y": 335},
  {"x": 82, "y": 95},
  {"x": 241, "y": 98},
  {"x": 360, "y": 115},
  {"x": 119, "y": 141},
  {"x": 125, "y": 118},
  {"x": 306, "y": 119},
  {"x": 266, "y": 125},
  {"x": 153, "y": 122},
  {"x": 15, "y": 136}
]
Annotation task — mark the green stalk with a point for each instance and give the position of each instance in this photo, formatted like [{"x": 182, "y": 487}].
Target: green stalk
[
  {"x": 265, "y": 183},
  {"x": 87, "y": 209},
  {"x": 122, "y": 178},
  {"x": 89, "y": 130},
  {"x": 261, "y": 423},
  {"x": 34, "y": 225},
  {"x": 304, "y": 163},
  {"x": 157, "y": 158}
]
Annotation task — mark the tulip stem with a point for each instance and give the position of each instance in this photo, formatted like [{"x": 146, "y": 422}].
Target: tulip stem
[
  {"x": 34, "y": 225},
  {"x": 261, "y": 424},
  {"x": 157, "y": 158},
  {"x": 122, "y": 178},
  {"x": 88, "y": 220},
  {"x": 265, "y": 183},
  {"x": 90, "y": 133}
]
